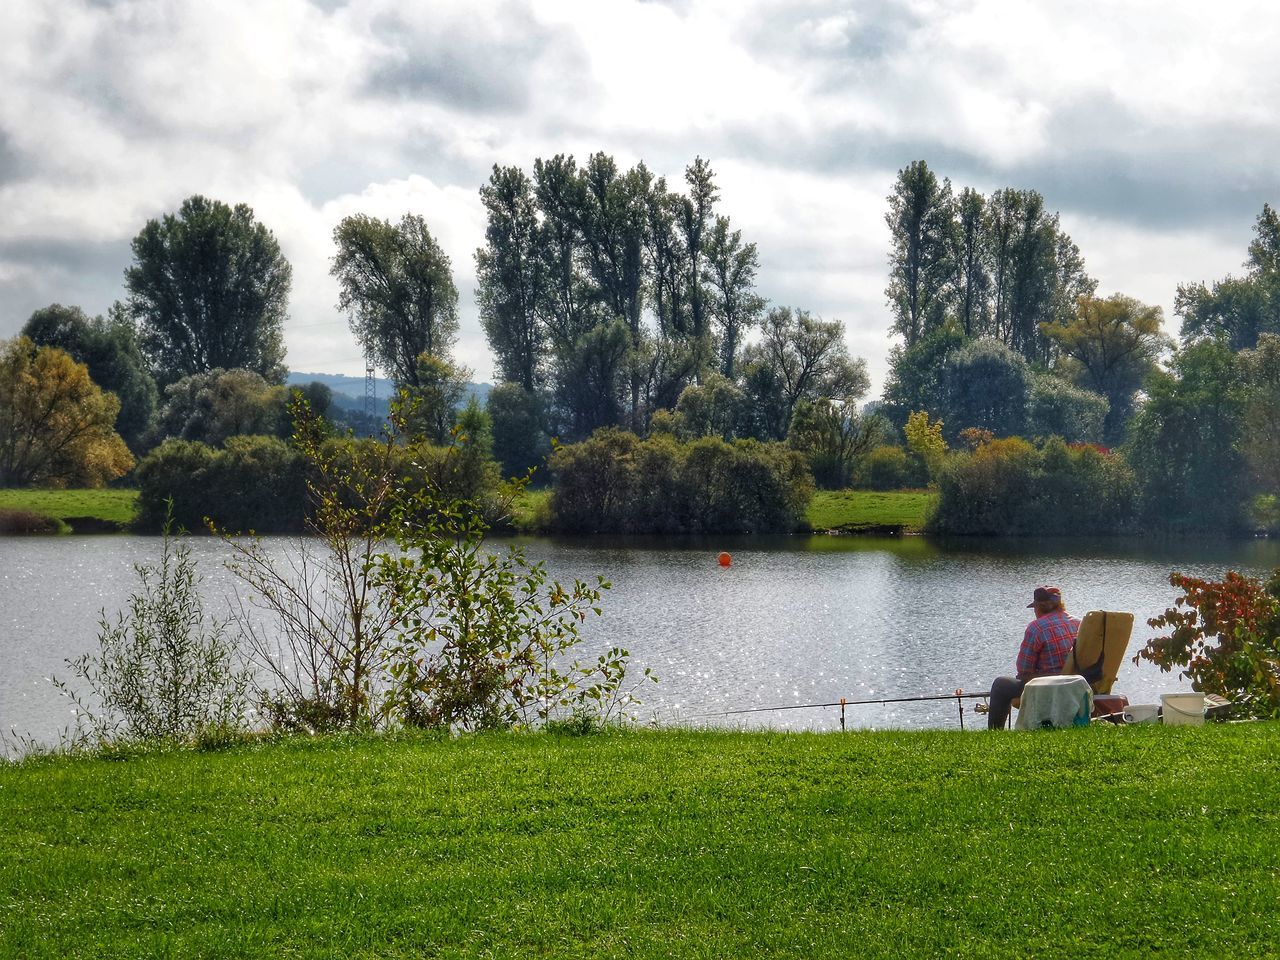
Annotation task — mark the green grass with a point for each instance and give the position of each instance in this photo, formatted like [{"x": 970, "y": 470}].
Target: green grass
[
  {"x": 528, "y": 509},
  {"x": 111, "y": 506},
  {"x": 854, "y": 510},
  {"x": 1103, "y": 843}
]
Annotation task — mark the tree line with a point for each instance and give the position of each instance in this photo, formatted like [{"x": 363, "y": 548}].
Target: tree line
[{"x": 612, "y": 298}]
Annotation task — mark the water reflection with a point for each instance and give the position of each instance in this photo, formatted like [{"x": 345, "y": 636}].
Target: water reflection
[{"x": 793, "y": 620}]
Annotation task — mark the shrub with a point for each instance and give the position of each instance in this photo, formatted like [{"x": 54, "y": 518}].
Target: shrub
[
  {"x": 520, "y": 439},
  {"x": 435, "y": 631},
  {"x": 1226, "y": 638},
  {"x": 172, "y": 480},
  {"x": 616, "y": 482},
  {"x": 162, "y": 670},
  {"x": 16, "y": 520},
  {"x": 887, "y": 468},
  {"x": 1056, "y": 408},
  {"x": 1008, "y": 486}
]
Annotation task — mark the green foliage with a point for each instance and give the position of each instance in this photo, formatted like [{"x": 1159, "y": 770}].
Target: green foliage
[
  {"x": 1184, "y": 442},
  {"x": 920, "y": 264},
  {"x": 834, "y": 437},
  {"x": 1109, "y": 346},
  {"x": 253, "y": 483},
  {"x": 212, "y": 406},
  {"x": 209, "y": 289},
  {"x": 888, "y": 467},
  {"x": 520, "y": 439},
  {"x": 925, "y": 443},
  {"x": 109, "y": 348},
  {"x": 1260, "y": 440},
  {"x": 616, "y": 482},
  {"x": 1011, "y": 487},
  {"x": 434, "y": 631},
  {"x": 163, "y": 670},
  {"x": 397, "y": 285},
  {"x": 986, "y": 385},
  {"x": 1058, "y": 409},
  {"x": 917, "y": 379},
  {"x": 434, "y": 398},
  {"x": 714, "y": 408},
  {"x": 1226, "y": 638},
  {"x": 1240, "y": 309},
  {"x": 799, "y": 357}
]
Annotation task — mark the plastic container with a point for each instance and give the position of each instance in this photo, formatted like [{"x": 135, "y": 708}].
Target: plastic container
[
  {"x": 1182, "y": 709},
  {"x": 1142, "y": 713}
]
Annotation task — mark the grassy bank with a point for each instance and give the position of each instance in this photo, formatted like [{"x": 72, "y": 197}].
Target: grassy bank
[
  {"x": 1093, "y": 843},
  {"x": 94, "y": 509},
  {"x": 854, "y": 511}
]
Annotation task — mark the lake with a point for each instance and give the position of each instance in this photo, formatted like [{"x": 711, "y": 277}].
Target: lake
[{"x": 792, "y": 621}]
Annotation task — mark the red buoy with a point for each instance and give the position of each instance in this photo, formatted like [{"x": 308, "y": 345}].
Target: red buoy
[{"x": 725, "y": 560}]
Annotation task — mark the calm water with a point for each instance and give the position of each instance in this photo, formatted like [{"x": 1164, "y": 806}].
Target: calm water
[{"x": 792, "y": 621}]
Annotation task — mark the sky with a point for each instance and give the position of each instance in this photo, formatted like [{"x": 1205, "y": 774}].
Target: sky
[{"x": 1152, "y": 126}]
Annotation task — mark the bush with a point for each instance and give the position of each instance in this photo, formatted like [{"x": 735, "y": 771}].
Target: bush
[
  {"x": 254, "y": 483},
  {"x": 1056, "y": 408},
  {"x": 1226, "y": 638},
  {"x": 615, "y": 482},
  {"x": 162, "y": 670},
  {"x": 16, "y": 520},
  {"x": 520, "y": 439},
  {"x": 260, "y": 483},
  {"x": 1010, "y": 487},
  {"x": 887, "y": 468}
]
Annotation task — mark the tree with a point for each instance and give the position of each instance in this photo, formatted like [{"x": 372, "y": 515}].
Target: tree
[
  {"x": 924, "y": 440},
  {"x": 397, "y": 286},
  {"x": 209, "y": 289},
  {"x": 1055, "y": 408},
  {"x": 212, "y": 407},
  {"x": 835, "y": 438},
  {"x": 511, "y": 278},
  {"x": 55, "y": 423},
  {"x": 800, "y": 357},
  {"x": 1037, "y": 273},
  {"x": 712, "y": 408},
  {"x": 986, "y": 386},
  {"x": 1110, "y": 346},
  {"x": 970, "y": 285},
  {"x": 1241, "y": 308},
  {"x": 520, "y": 439},
  {"x": 109, "y": 348},
  {"x": 1260, "y": 440},
  {"x": 920, "y": 265},
  {"x": 1184, "y": 441},
  {"x": 731, "y": 276},
  {"x": 916, "y": 379},
  {"x": 434, "y": 401}
]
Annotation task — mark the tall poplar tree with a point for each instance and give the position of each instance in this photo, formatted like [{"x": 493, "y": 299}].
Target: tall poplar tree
[{"x": 919, "y": 221}]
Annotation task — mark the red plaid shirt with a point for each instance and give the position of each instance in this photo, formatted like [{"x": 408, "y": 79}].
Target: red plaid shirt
[{"x": 1046, "y": 643}]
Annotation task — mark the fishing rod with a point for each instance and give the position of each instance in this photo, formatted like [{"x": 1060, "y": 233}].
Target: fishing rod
[{"x": 958, "y": 696}]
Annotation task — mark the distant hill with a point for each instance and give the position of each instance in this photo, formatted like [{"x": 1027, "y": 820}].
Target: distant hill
[{"x": 348, "y": 392}]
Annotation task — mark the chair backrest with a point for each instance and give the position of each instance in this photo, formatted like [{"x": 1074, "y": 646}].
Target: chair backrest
[{"x": 1100, "y": 647}]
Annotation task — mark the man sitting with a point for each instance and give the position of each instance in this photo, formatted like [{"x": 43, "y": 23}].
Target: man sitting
[{"x": 1045, "y": 646}]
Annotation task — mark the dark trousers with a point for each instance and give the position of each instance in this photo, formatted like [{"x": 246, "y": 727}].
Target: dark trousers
[{"x": 1004, "y": 690}]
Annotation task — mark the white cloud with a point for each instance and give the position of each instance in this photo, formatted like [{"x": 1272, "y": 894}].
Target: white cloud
[{"x": 1151, "y": 125}]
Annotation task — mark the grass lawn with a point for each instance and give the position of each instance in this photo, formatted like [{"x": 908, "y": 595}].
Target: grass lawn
[
  {"x": 113, "y": 506},
  {"x": 1104, "y": 843},
  {"x": 859, "y": 509}
]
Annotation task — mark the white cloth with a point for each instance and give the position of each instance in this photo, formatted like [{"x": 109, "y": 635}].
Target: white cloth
[{"x": 1055, "y": 702}]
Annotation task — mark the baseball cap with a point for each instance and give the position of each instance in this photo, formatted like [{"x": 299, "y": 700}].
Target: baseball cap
[{"x": 1045, "y": 593}]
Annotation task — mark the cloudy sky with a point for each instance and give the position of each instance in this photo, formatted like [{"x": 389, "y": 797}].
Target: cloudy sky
[{"x": 1152, "y": 125}]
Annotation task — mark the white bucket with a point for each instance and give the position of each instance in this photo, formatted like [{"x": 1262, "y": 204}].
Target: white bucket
[
  {"x": 1182, "y": 709},
  {"x": 1142, "y": 713}
]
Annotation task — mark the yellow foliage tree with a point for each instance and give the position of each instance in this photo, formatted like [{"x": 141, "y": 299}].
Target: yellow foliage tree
[
  {"x": 57, "y": 427},
  {"x": 924, "y": 440}
]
